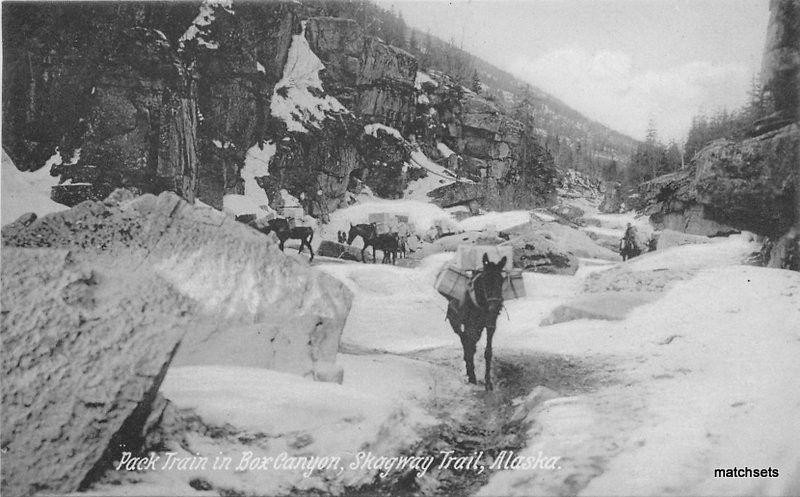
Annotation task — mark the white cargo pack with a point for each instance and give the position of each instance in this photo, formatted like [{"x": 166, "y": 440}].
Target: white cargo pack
[
  {"x": 381, "y": 217},
  {"x": 293, "y": 212},
  {"x": 470, "y": 257}
]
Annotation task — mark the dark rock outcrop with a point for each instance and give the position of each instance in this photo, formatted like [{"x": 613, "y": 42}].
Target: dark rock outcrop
[{"x": 748, "y": 185}]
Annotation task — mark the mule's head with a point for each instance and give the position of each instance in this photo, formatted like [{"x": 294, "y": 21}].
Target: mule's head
[
  {"x": 492, "y": 284},
  {"x": 353, "y": 233}
]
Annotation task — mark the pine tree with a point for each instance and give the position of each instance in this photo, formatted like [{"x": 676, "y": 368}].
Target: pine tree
[{"x": 476, "y": 82}]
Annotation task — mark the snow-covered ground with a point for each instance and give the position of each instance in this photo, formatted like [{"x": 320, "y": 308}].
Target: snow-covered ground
[
  {"x": 703, "y": 377},
  {"x": 700, "y": 376}
]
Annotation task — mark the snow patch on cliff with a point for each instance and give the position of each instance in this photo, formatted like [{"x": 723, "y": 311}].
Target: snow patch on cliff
[
  {"x": 204, "y": 19},
  {"x": 437, "y": 176},
  {"x": 299, "y": 99},
  {"x": 24, "y": 191},
  {"x": 372, "y": 130}
]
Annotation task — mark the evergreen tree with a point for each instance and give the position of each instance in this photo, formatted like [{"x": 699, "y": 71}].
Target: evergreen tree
[{"x": 476, "y": 82}]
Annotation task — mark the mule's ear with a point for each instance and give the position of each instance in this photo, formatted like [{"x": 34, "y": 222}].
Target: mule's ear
[
  {"x": 485, "y": 258},
  {"x": 502, "y": 262}
]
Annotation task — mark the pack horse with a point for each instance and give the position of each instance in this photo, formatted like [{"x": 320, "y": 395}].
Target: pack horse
[
  {"x": 388, "y": 243},
  {"x": 476, "y": 289}
]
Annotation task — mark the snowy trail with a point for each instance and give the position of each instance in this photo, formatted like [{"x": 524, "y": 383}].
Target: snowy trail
[{"x": 650, "y": 394}]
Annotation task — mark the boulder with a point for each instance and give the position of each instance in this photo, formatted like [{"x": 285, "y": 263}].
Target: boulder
[
  {"x": 534, "y": 252},
  {"x": 785, "y": 253},
  {"x": 85, "y": 347},
  {"x": 568, "y": 239},
  {"x": 328, "y": 248},
  {"x": 569, "y": 212},
  {"x": 235, "y": 274}
]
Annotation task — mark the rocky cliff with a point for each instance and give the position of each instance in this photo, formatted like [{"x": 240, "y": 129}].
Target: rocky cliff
[
  {"x": 505, "y": 167},
  {"x": 175, "y": 97},
  {"x": 751, "y": 184}
]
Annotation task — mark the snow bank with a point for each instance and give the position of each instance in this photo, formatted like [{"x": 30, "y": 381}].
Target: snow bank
[
  {"x": 24, "y": 191},
  {"x": 444, "y": 149},
  {"x": 497, "y": 220},
  {"x": 423, "y": 77},
  {"x": 437, "y": 176},
  {"x": 254, "y": 200},
  {"x": 291, "y": 99},
  {"x": 708, "y": 373},
  {"x": 372, "y": 130},
  {"x": 395, "y": 309}
]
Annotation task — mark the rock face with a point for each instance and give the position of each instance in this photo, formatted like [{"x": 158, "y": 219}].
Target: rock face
[
  {"x": 612, "y": 201},
  {"x": 752, "y": 184},
  {"x": 183, "y": 92},
  {"x": 749, "y": 185},
  {"x": 498, "y": 153},
  {"x": 84, "y": 351},
  {"x": 780, "y": 71}
]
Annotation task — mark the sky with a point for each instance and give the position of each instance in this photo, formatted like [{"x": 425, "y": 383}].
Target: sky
[{"x": 624, "y": 63}]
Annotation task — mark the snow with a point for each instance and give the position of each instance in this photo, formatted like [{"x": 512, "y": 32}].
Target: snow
[
  {"x": 24, "y": 191},
  {"x": 261, "y": 68},
  {"x": 700, "y": 376},
  {"x": 204, "y": 19},
  {"x": 496, "y": 220},
  {"x": 444, "y": 149},
  {"x": 423, "y": 99},
  {"x": 437, "y": 176},
  {"x": 254, "y": 200},
  {"x": 372, "y": 130},
  {"x": 292, "y": 101},
  {"x": 422, "y": 78}
]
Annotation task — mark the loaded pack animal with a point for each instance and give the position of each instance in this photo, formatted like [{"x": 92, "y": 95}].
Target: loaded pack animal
[
  {"x": 284, "y": 232},
  {"x": 628, "y": 247},
  {"x": 478, "y": 310},
  {"x": 388, "y": 243}
]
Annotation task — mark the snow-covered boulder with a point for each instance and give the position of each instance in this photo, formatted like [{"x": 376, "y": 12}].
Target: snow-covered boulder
[
  {"x": 258, "y": 307},
  {"x": 535, "y": 252},
  {"x": 85, "y": 347},
  {"x": 566, "y": 238}
]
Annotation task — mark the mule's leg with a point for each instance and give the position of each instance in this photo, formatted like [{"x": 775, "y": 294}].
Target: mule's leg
[
  {"x": 362, "y": 254},
  {"x": 488, "y": 356},
  {"x": 373, "y": 254},
  {"x": 468, "y": 344},
  {"x": 302, "y": 242},
  {"x": 282, "y": 241},
  {"x": 310, "y": 250}
]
